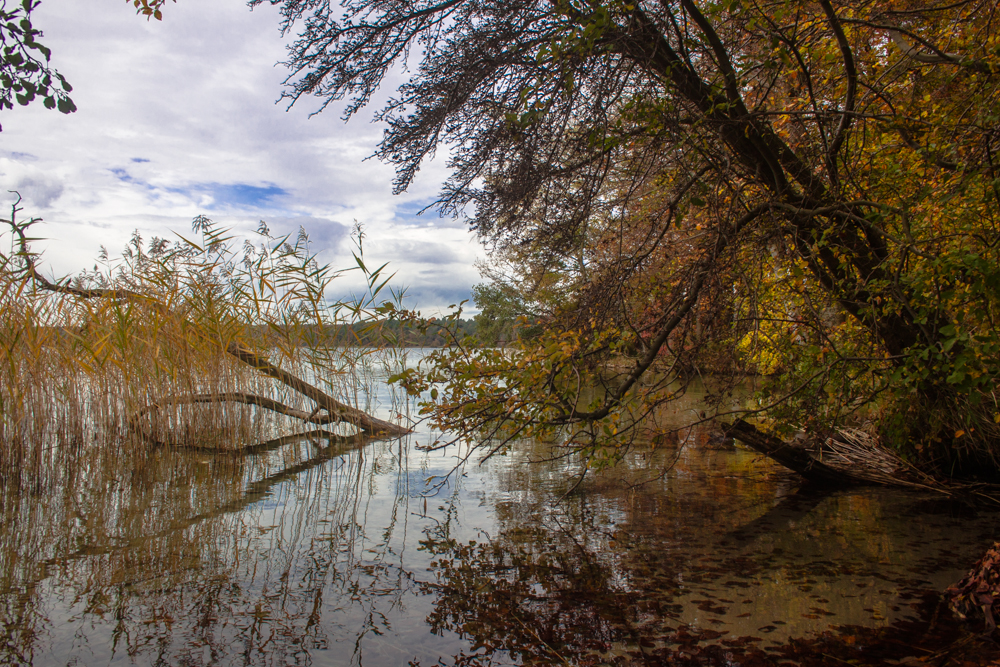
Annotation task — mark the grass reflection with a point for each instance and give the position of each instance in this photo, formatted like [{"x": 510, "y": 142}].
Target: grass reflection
[
  {"x": 323, "y": 550},
  {"x": 197, "y": 558}
]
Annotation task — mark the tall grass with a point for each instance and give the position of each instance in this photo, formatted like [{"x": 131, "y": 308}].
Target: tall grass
[{"x": 209, "y": 341}]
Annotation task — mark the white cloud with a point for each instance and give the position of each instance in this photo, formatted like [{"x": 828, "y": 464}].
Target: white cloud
[
  {"x": 178, "y": 118},
  {"x": 38, "y": 188}
]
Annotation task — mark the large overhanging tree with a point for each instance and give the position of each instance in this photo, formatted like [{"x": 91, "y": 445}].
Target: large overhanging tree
[{"x": 796, "y": 187}]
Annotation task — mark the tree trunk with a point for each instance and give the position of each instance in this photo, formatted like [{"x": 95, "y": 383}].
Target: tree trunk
[{"x": 790, "y": 456}]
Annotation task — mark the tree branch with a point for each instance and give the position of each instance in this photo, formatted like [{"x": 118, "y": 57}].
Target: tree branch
[{"x": 851, "y": 71}]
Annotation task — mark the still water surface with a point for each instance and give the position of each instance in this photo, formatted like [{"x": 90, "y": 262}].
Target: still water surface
[{"x": 322, "y": 552}]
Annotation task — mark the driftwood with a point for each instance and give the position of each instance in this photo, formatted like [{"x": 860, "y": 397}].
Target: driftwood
[{"x": 328, "y": 410}]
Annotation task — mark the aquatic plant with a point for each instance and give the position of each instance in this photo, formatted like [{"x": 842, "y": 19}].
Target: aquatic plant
[{"x": 197, "y": 342}]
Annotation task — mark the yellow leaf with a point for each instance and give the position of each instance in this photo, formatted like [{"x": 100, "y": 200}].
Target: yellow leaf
[{"x": 959, "y": 433}]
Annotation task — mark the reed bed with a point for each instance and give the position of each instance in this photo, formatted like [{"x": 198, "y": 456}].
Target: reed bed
[{"x": 202, "y": 342}]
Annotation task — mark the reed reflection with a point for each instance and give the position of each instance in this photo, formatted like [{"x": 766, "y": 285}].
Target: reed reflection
[{"x": 195, "y": 558}]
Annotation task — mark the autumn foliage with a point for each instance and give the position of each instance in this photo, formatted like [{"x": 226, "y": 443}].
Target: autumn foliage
[{"x": 805, "y": 191}]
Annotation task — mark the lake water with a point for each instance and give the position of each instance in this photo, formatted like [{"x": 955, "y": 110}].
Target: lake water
[{"x": 324, "y": 552}]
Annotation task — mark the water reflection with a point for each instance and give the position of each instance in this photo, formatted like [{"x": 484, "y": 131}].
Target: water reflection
[
  {"x": 277, "y": 558},
  {"x": 721, "y": 556},
  {"x": 325, "y": 550}
]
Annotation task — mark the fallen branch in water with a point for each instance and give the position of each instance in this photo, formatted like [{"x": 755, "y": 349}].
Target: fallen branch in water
[
  {"x": 851, "y": 457},
  {"x": 362, "y": 420},
  {"x": 795, "y": 458},
  {"x": 336, "y": 411}
]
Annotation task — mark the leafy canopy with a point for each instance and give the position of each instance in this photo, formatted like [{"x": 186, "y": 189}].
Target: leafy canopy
[
  {"x": 25, "y": 74},
  {"x": 804, "y": 188}
]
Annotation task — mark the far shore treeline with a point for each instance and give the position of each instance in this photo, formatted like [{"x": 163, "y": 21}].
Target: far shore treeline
[{"x": 368, "y": 334}]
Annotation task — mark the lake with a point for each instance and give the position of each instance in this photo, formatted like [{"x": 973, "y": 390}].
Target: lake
[{"x": 325, "y": 551}]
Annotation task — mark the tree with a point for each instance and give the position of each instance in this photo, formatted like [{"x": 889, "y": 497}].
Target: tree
[
  {"x": 818, "y": 176},
  {"x": 522, "y": 286},
  {"x": 25, "y": 74}
]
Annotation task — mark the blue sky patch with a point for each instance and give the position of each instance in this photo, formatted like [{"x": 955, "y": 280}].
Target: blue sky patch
[
  {"x": 240, "y": 195},
  {"x": 123, "y": 176},
  {"x": 234, "y": 195},
  {"x": 407, "y": 213}
]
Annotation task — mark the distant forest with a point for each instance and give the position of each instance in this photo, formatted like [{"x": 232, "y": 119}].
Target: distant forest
[{"x": 393, "y": 332}]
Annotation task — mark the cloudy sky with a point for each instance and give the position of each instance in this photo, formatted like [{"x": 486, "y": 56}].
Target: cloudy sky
[{"x": 179, "y": 118}]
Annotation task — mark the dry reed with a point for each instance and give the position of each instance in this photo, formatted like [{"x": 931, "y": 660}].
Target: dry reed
[
  {"x": 197, "y": 342},
  {"x": 861, "y": 455}
]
